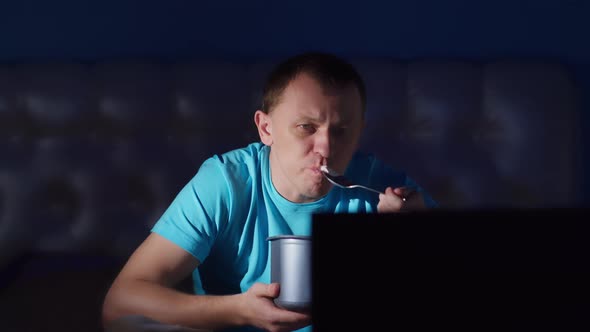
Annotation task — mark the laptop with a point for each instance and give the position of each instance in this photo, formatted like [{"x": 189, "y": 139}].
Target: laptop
[{"x": 460, "y": 270}]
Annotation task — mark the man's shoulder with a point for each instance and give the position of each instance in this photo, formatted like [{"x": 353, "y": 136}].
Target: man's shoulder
[
  {"x": 244, "y": 155},
  {"x": 235, "y": 164},
  {"x": 363, "y": 159},
  {"x": 366, "y": 166}
]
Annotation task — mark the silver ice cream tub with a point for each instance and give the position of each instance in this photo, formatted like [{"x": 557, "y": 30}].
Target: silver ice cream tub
[{"x": 291, "y": 268}]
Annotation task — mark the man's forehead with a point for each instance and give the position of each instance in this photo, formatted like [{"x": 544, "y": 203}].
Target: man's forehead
[
  {"x": 329, "y": 87},
  {"x": 342, "y": 113}
]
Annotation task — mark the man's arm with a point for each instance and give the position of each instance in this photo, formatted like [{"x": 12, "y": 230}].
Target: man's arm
[{"x": 145, "y": 286}]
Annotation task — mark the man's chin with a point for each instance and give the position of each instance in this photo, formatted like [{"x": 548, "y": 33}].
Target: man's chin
[{"x": 318, "y": 193}]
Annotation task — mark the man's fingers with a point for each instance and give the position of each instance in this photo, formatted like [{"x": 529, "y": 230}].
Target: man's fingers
[{"x": 404, "y": 192}]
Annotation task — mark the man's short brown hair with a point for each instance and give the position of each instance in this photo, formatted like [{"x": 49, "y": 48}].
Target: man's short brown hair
[{"x": 328, "y": 69}]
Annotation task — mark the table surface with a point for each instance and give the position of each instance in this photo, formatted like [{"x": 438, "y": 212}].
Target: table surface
[{"x": 143, "y": 324}]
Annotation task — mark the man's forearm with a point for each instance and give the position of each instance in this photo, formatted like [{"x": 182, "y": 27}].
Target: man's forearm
[{"x": 145, "y": 298}]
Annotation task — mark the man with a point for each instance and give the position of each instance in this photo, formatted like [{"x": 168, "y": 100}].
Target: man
[{"x": 217, "y": 227}]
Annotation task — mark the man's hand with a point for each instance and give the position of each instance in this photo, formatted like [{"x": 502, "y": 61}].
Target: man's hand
[
  {"x": 260, "y": 310},
  {"x": 400, "y": 199}
]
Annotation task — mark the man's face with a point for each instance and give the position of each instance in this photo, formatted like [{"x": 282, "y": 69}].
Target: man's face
[{"x": 311, "y": 126}]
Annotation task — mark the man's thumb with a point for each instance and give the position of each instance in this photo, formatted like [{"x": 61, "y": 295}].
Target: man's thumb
[{"x": 267, "y": 290}]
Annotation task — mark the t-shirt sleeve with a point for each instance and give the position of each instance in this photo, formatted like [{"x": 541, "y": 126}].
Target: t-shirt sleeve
[
  {"x": 380, "y": 175},
  {"x": 428, "y": 200},
  {"x": 193, "y": 219}
]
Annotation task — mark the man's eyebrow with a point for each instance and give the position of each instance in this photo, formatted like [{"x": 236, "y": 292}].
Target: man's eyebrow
[{"x": 310, "y": 118}]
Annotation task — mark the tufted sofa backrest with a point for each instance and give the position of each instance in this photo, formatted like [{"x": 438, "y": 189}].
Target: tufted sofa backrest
[{"x": 92, "y": 154}]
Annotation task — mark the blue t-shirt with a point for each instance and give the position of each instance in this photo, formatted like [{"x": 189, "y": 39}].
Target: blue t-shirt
[{"x": 225, "y": 213}]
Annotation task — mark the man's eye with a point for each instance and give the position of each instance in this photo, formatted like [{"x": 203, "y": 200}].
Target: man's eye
[
  {"x": 339, "y": 131},
  {"x": 306, "y": 127}
]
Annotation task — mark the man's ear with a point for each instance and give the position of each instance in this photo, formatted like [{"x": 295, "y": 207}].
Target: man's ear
[{"x": 264, "y": 124}]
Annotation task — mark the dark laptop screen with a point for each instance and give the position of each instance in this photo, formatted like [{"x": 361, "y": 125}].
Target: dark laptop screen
[{"x": 463, "y": 270}]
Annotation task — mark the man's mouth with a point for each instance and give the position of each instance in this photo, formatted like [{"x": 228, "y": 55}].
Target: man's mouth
[{"x": 316, "y": 170}]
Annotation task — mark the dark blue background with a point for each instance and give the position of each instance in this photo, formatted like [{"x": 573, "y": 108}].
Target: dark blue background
[{"x": 169, "y": 30}]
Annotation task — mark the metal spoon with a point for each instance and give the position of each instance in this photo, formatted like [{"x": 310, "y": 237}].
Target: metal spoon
[{"x": 342, "y": 181}]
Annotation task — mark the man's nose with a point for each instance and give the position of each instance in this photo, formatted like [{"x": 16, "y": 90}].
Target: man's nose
[{"x": 323, "y": 144}]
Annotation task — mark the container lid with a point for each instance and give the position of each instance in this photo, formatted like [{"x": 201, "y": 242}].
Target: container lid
[{"x": 278, "y": 237}]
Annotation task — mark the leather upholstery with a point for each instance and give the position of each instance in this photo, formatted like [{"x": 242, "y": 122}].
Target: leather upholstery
[{"x": 92, "y": 154}]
